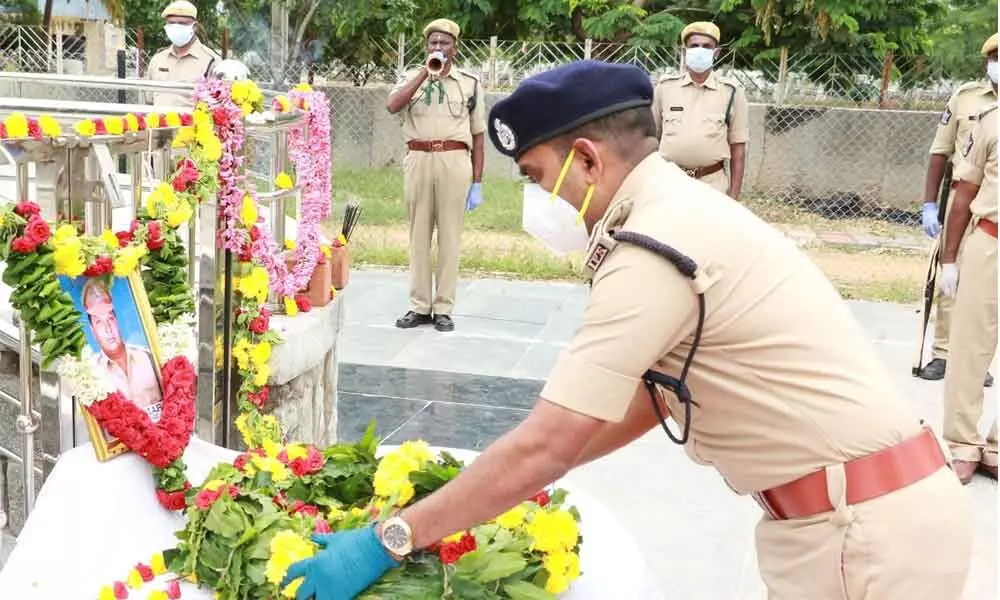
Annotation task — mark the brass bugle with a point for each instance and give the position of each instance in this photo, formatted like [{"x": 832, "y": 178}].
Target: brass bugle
[{"x": 434, "y": 64}]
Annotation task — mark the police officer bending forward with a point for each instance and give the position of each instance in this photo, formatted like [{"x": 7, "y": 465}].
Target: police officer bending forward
[{"x": 777, "y": 385}]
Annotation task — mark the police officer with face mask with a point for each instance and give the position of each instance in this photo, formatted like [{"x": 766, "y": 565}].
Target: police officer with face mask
[
  {"x": 186, "y": 60},
  {"x": 702, "y": 313},
  {"x": 702, "y": 118}
]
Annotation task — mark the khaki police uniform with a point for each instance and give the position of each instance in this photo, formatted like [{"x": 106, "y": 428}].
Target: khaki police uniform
[
  {"x": 437, "y": 170},
  {"x": 138, "y": 382},
  {"x": 785, "y": 384},
  {"x": 697, "y": 123},
  {"x": 974, "y": 329},
  {"x": 166, "y": 66},
  {"x": 956, "y": 123}
]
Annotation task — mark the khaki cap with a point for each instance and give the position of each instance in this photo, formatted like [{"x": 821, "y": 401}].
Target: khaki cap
[
  {"x": 704, "y": 28},
  {"x": 444, "y": 26},
  {"x": 180, "y": 8},
  {"x": 990, "y": 45},
  {"x": 96, "y": 299}
]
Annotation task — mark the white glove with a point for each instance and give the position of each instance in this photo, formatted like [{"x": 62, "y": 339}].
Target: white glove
[{"x": 949, "y": 279}]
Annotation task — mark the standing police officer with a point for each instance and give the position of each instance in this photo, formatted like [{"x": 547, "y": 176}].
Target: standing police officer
[
  {"x": 443, "y": 124},
  {"x": 777, "y": 385},
  {"x": 702, "y": 118},
  {"x": 956, "y": 123},
  {"x": 974, "y": 281},
  {"x": 186, "y": 60}
]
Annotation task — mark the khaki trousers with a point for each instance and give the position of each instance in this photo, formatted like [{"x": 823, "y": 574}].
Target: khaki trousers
[
  {"x": 974, "y": 341},
  {"x": 945, "y": 305},
  {"x": 436, "y": 188},
  {"x": 911, "y": 544}
]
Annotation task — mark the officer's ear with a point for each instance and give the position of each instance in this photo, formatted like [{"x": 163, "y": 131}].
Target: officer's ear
[{"x": 589, "y": 155}]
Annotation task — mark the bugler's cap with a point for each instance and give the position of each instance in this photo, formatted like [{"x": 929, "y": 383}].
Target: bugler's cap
[
  {"x": 704, "y": 28},
  {"x": 96, "y": 299},
  {"x": 555, "y": 102},
  {"x": 444, "y": 26},
  {"x": 180, "y": 8},
  {"x": 990, "y": 45}
]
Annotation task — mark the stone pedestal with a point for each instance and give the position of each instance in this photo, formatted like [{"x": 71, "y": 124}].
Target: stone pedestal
[{"x": 304, "y": 373}]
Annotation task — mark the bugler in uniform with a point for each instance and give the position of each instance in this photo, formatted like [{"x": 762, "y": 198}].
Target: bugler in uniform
[
  {"x": 702, "y": 118},
  {"x": 443, "y": 124},
  {"x": 185, "y": 60},
  {"x": 777, "y": 385},
  {"x": 973, "y": 284},
  {"x": 956, "y": 123}
]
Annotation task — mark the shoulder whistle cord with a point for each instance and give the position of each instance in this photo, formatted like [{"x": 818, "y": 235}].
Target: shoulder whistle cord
[{"x": 652, "y": 378}]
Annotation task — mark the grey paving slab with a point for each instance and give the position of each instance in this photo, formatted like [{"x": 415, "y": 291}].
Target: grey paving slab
[
  {"x": 538, "y": 361},
  {"x": 459, "y": 425},
  {"x": 462, "y": 353},
  {"x": 357, "y": 411}
]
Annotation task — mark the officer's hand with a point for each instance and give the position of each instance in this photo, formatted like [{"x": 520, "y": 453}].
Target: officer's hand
[
  {"x": 349, "y": 563},
  {"x": 929, "y": 219},
  {"x": 949, "y": 279},
  {"x": 475, "y": 197}
]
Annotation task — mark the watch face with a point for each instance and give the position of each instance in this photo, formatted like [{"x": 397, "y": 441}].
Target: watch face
[{"x": 395, "y": 537}]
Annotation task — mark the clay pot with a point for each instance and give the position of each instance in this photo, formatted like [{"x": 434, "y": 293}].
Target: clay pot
[
  {"x": 340, "y": 266},
  {"x": 318, "y": 288}
]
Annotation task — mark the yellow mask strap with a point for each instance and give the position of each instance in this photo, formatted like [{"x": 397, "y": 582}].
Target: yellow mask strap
[
  {"x": 562, "y": 174},
  {"x": 586, "y": 204}
]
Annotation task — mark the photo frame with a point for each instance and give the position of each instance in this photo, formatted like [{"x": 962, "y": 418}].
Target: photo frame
[{"x": 120, "y": 330}]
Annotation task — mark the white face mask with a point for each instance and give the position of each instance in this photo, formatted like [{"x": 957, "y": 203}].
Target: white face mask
[
  {"x": 179, "y": 34},
  {"x": 993, "y": 70},
  {"x": 553, "y": 221},
  {"x": 699, "y": 60}
]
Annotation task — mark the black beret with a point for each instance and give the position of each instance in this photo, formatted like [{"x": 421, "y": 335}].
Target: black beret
[{"x": 555, "y": 102}]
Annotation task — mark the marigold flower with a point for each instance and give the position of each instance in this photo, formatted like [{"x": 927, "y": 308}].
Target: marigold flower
[
  {"x": 131, "y": 122},
  {"x": 158, "y": 564},
  {"x": 248, "y": 211},
  {"x": 134, "y": 580},
  {"x": 50, "y": 126},
  {"x": 553, "y": 531},
  {"x": 17, "y": 125},
  {"x": 513, "y": 518},
  {"x": 128, "y": 260},
  {"x": 284, "y": 181},
  {"x": 110, "y": 239},
  {"x": 154, "y": 120},
  {"x": 114, "y": 125},
  {"x": 287, "y": 548},
  {"x": 291, "y": 308}
]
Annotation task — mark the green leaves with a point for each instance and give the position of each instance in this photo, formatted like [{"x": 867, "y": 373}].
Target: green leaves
[
  {"x": 223, "y": 519},
  {"x": 522, "y": 590}
]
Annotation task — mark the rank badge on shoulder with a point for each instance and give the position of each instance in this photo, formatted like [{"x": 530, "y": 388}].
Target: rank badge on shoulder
[
  {"x": 967, "y": 147},
  {"x": 946, "y": 116},
  {"x": 597, "y": 256}
]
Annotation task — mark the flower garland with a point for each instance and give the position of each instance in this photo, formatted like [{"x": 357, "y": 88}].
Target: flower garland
[{"x": 19, "y": 126}]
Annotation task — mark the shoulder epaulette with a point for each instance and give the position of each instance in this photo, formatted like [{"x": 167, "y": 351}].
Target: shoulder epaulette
[
  {"x": 969, "y": 86},
  {"x": 670, "y": 77},
  {"x": 991, "y": 108},
  {"x": 468, "y": 74}
]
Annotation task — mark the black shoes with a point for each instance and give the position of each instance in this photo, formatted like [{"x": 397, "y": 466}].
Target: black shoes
[
  {"x": 934, "y": 371},
  {"x": 414, "y": 319}
]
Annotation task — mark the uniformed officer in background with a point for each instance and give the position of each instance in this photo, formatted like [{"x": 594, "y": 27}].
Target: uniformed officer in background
[
  {"x": 778, "y": 386},
  {"x": 443, "y": 123},
  {"x": 186, "y": 60},
  {"x": 971, "y": 278},
  {"x": 956, "y": 123},
  {"x": 702, "y": 118}
]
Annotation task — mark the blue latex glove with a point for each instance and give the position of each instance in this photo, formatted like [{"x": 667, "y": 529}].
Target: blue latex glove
[
  {"x": 475, "y": 197},
  {"x": 929, "y": 218},
  {"x": 349, "y": 563}
]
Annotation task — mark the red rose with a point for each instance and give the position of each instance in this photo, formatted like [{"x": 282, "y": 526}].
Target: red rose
[
  {"x": 301, "y": 508},
  {"x": 22, "y": 246},
  {"x": 241, "y": 462},
  {"x": 450, "y": 553},
  {"x": 541, "y": 498},
  {"x": 246, "y": 254},
  {"x": 259, "y": 325},
  {"x": 102, "y": 265},
  {"x": 303, "y": 303},
  {"x": 27, "y": 209},
  {"x": 256, "y": 399},
  {"x": 233, "y": 491},
  {"x": 206, "y": 498},
  {"x": 99, "y": 127},
  {"x": 174, "y": 590},
  {"x": 145, "y": 572},
  {"x": 219, "y": 116},
  {"x": 124, "y": 238},
  {"x": 3, "y": 131},
  {"x": 254, "y": 233},
  {"x": 154, "y": 236},
  {"x": 121, "y": 592},
  {"x": 467, "y": 543},
  {"x": 322, "y": 526},
  {"x": 141, "y": 122},
  {"x": 34, "y": 129},
  {"x": 187, "y": 119},
  {"x": 37, "y": 230},
  {"x": 283, "y": 456}
]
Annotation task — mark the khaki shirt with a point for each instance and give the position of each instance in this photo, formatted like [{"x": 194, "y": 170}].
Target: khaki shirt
[
  {"x": 139, "y": 382},
  {"x": 691, "y": 119},
  {"x": 167, "y": 67},
  {"x": 785, "y": 379},
  {"x": 979, "y": 165},
  {"x": 439, "y": 109},
  {"x": 960, "y": 116}
]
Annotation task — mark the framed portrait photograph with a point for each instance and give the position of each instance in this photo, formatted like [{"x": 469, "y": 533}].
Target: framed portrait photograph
[{"x": 121, "y": 333}]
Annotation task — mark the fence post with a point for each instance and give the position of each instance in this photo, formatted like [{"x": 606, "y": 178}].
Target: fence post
[
  {"x": 588, "y": 48},
  {"x": 883, "y": 97},
  {"x": 401, "y": 56},
  {"x": 59, "y": 49},
  {"x": 140, "y": 48},
  {"x": 781, "y": 87},
  {"x": 493, "y": 62}
]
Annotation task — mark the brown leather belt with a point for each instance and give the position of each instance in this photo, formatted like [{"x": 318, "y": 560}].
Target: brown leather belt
[
  {"x": 436, "y": 145},
  {"x": 700, "y": 172},
  {"x": 988, "y": 226},
  {"x": 868, "y": 477}
]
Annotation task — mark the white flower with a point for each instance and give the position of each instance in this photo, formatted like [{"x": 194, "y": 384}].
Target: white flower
[
  {"x": 83, "y": 381},
  {"x": 177, "y": 339}
]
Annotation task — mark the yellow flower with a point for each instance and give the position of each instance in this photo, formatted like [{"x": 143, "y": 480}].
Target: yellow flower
[
  {"x": 153, "y": 120},
  {"x": 255, "y": 285},
  {"x": 283, "y": 104},
  {"x": 176, "y": 218},
  {"x": 357, "y": 512},
  {"x": 513, "y": 518},
  {"x": 211, "y": 149},
  {"x": 291, "y": 308},
  {"x": 261, "y": 376},
  {"x": 131, "y": 122},
  {"x": 213, "y": 485},
  {"x": 173, "y": 119},
  {"x": 240, "y": 91},
  {"x": 134, "y": 580},
  {"x": 417, "y": 450},
  {"x": 68, "y": 260},
  {"x": 563, "y": 567},
  {"x": 287, "y": 548},
  {"x": 184, "y": 137},
  {"x": 110, "y": 239},
  {"x": 114, "y": 125},
  {"x": 241, "y": 352},
  {"x": 327, "y": 252},
  {"x": 17, "y": 125},
  {"x": 553, "y": 531},
  {"x": 296, "y": 451},
  {"x": 392, "y": 477},
  {"x": 85, "y": 128},
  {"x": 246, "y": 109},
  {"x": 158, "y": 595},
  {"x": 290, "y": 245},
  {"x": 453, "y": 538},
  {"x": 556, "y": 584},
  {"x": 49, "y": 126},
  {"x": 284, "y": 181},
  {"x": 63, "y": 234},
  {"x": 128, "y": 260},
  {"x": 107, "y": 593},
  {"x": 342, "y": 239},
  {"x": 271, "y": 448},
  {"x": 161, "y": 196},
  {"x": 303, "y": 87},
  {"x": 260, "y": 353},
  {"x": 244, "y": 429},
  {"x": 248, "y": 211},
  {"x": 158, "y": 564},
  {"x": 277, "y": 469}
]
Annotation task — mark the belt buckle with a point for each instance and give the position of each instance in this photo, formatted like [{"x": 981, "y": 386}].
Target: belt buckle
[
  {"x": 437, "y": 146},
  {"x": 692, "y": 172}
]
